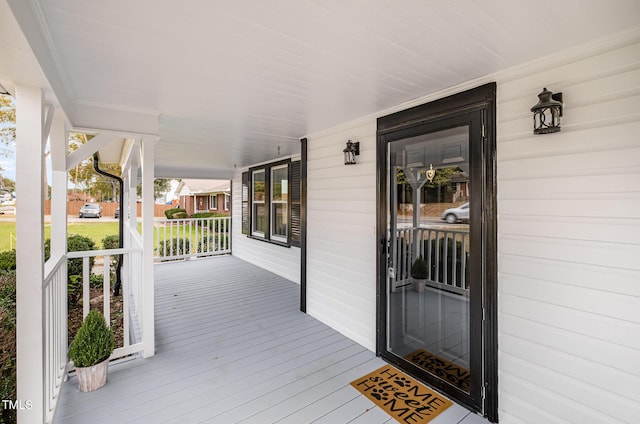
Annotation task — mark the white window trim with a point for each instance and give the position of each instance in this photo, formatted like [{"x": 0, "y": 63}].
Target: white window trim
[{"x": 213, "y": 202}]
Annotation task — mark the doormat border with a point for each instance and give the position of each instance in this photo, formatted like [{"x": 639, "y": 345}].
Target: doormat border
[{"x": 401, "y": 396}]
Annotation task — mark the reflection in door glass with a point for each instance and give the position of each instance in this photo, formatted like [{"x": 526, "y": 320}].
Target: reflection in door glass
[{"x": 428, "y": 278}]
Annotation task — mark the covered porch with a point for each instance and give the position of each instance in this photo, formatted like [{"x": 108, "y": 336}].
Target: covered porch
[
  {"x": 232, "y": 346},
  {"x": 266, "y": 95}
]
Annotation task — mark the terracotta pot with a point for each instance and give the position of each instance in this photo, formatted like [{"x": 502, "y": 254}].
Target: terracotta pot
[
  {"x": 418, "y": 284},
  {"x": 93, "y": 377}
]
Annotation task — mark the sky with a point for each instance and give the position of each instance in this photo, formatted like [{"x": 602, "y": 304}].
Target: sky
[{"x": 8, "y": 164}]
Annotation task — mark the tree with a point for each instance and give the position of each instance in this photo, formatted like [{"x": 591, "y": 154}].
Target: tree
[
  {"x": 85, "y": 176},
  {"x": 94, "y": 184},
  {"x": 160, "y": 187},
  {"x": 7, "y": 124},
  {"x": 7, "y": 184}
]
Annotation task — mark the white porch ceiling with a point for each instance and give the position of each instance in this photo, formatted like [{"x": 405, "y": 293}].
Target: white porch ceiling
[{"x": 226, "y": 83}]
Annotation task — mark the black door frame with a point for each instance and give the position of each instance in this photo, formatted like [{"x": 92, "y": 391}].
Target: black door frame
[{"x": 481, "y": 100}]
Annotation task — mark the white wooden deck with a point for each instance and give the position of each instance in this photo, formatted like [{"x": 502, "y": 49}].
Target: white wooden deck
[{"x": 233, "y": 347}]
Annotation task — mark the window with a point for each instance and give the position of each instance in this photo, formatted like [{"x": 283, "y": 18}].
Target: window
[
  {"x": 271, "y": 203},
  {"x": 213, "y": 201},
  {"x": 258, "y": 203},
  {"x": 226, "y": 202},
  {"x": 279, "y": 202}
]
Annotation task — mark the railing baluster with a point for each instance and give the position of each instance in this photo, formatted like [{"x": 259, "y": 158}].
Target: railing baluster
[
  {"x": 195, "y": 237},
  {"x": 85, "y": 286},
  {"x": 106, "y": 289}
]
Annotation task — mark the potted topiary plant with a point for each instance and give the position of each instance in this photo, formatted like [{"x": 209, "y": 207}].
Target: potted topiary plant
[
  {"x": 420, "y": 273},
  {"x": 90, "y": 351}
]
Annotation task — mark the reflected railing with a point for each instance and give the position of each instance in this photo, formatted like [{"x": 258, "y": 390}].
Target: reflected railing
[{"x": 446, "y": 252}]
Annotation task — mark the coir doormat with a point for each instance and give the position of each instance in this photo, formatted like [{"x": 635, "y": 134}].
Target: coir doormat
[
  {"x": 400, "y": 396},
  {"x": 448, "y": 371}
]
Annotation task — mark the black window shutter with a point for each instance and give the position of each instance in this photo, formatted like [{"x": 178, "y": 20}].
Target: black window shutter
[
  {"x": 245, "y": 203},
  {"x": 296, "y": 202}
]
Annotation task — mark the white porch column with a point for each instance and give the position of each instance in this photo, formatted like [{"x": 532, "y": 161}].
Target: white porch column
[
  {"x": 133, "y": 195},
  {"x": 148, "y": 150},
  {"x": 30, "y": 253},
  {"x": 59, "y": 145}
]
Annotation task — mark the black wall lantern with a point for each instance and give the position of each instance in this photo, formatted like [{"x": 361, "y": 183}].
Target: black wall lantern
[
  {"x": 350, "y": 152},
  {"x": 547, "y": 112}
]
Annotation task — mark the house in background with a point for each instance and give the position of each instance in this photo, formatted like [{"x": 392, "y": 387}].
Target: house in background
[
  {"x": 204, "y": 196},
  {"x": 534, "y": 304}
]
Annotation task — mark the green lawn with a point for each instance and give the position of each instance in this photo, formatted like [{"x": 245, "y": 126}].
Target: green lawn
[{"x": 94, "y": 230}]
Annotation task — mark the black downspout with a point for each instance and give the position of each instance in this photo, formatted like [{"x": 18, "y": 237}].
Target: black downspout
[{"x": 118, "y": 283}]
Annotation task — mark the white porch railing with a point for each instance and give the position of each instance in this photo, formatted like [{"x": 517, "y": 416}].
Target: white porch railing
[
  {"x": 55, "y": 292},
  {"x": 131, "y": 281},
  {"x": 55, "y": 344},
  {"x": 445, "y": 251},
  {"x": 189, "y": 237}
]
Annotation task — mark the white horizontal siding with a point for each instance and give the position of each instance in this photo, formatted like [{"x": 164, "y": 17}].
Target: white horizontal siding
[
  {"x": 341, "y": 216},
  {"x": 568, "y": 236},
  {"x": 569, "y": 243},
  {"x": 283, "y": 261}
]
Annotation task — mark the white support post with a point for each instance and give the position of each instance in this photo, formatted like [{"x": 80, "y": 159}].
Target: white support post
[
  {"x": 132, "y": 201},
  {"x": 59, "y": 146},
  {"x": 148, "y": 151},
  {"x": 30, "y": 254}
]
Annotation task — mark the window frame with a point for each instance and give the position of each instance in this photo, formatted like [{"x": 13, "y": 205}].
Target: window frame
[
  {"x": 253, "y": 203},
  {"x": 213, "y": 202},
  {"x": 272, "y": 202},
  {"x": 268, "y": 235}
]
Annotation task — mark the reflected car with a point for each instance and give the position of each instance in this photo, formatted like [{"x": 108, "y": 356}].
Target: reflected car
[
  {"x": 459, "y": 214},
  {"x": 90, "y": 210}
]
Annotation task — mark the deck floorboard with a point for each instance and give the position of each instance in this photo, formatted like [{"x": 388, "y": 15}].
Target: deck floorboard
[{"x": 233, "y": 347}]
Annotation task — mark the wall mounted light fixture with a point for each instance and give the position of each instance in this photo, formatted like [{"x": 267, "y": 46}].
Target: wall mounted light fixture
[
  {"x": 547, "y": 112},
  {"x": 350, "y": 152}
]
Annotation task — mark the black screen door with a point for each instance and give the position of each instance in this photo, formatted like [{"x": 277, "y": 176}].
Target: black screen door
[{"x": 433, "y": 266}]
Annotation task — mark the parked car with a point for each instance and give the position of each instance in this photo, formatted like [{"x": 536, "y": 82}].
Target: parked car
[
  {"x": 453, "y": 215},
  {"x": 90, "y": 210}
]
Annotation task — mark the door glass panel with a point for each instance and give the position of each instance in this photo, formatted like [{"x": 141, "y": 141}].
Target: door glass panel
[{"x": 428, "y": 310}]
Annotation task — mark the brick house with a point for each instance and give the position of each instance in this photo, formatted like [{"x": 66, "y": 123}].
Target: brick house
[{"x": 205, "y": 196}]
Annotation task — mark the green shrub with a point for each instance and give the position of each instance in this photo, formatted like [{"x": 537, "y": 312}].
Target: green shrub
[
  {"x": 448, "y": 266},
  {"x": 74, "y": 290},
  {"x": 47, "y": 249},
  {"x": 111, "y": 242},
  {"x": 200, "y": 215},
  {"x": 77, "y": 243},
  {"x": 210, "y": 244},
  {"x": 96, "y": 281},
  {"x": 8, "y": 343},
  {"x": 94, "y": 342},
  {"x": 212, "y": 224},
  {"x": 174, "y": 247},
  {"x": 8, "y": 260},
  {"x": 170, "y": 213},
  {"x": 420, "y": 269}
]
